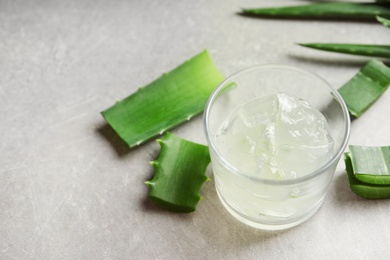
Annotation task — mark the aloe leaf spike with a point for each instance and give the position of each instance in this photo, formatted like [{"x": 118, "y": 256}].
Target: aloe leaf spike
[{"x": 384, "y": 21}]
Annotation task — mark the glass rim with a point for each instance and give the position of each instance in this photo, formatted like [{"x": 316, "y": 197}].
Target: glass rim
[{"x": 307, "y": 177}]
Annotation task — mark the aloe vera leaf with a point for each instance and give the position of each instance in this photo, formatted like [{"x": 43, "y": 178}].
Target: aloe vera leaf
[
  {"x": 384, "y": 21},
  {"x": 368, "y": 191},
  {"x": 332, "y": 10},
  {"x": 168, "y": 101},
  {"x": 371, "y": 164},
  {"x": 354, "y": 49},
  {"x": 179, "y": 174},
  {"x": 365, "y": 87}
]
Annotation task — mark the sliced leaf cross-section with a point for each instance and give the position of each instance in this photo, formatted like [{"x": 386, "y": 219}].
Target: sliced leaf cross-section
[
  {"x": 365, "y": 87},
  {"x": 368, "y": 171}
]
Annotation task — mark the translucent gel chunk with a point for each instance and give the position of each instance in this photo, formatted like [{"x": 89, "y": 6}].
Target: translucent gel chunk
[{"x": 275, "y": 137}]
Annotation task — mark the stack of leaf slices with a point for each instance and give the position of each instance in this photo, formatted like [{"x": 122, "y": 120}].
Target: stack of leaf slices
[{"x": 368, "y": 170}]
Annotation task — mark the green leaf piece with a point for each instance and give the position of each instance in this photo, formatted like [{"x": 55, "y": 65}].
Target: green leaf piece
[
  {"x": 384, "y": 21},
  {"x": 371, "y": 164},
  {"x": 365, "y": 87},
  {"x": 179, "y": 174},
  {"x": 354, "y": 49},
  {"x": 168, "y": 101},
  {"x": 368, "y": 191},
  {"x": 329, "y": 10}
]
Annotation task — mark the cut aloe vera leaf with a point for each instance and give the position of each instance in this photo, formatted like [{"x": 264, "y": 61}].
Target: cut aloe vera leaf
[
  {"x": 179, "y": 174},
  {"x": 365, "y": 87},
  {"x": 368, "y": 191},
  {"x": 354, "y": 49},
  {"x": 332, "y": 10},
  {"x": 384, "y": 21},
  {"x": 170, "y": 100},
  {"x": 371, "y": 164}
]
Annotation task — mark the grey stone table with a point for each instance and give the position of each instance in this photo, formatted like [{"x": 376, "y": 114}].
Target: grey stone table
[{"x": 69, "y": 188}]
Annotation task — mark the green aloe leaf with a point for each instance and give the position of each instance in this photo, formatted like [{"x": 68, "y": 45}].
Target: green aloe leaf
[
  {"x": 168, "y": 101},
  {"x": 365, "y": 87},
  {"x": 371, "y": 164},
  {"x": 179, "y": 174},
  {"x": 329, "y": 10},
  {"x": 384, "y": 21},
  {"x": 355, "y": 49},
  {"x": 368, "y": 191}
]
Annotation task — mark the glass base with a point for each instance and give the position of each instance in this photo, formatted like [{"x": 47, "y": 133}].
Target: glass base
[{"x": 274, "y": 226}]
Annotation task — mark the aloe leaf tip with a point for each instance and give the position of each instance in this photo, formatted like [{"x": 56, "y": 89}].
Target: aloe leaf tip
[{"x": 153, "y": 163}]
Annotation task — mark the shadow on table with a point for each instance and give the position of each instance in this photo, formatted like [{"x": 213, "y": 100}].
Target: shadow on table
[
  {"x": 111, "y": 136},
  {"x": 344, "y": 194},
  {"x": 354, "y": 61},
  {"x": 216, "y": 227},
  {"x": 223, "y": 231},
  {"x": 346, "y": 197}
]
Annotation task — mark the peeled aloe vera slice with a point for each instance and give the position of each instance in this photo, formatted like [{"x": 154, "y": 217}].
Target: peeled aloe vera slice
[
  {"x": 354, "y": 49},
  {"x": 332, "y": 10},
  {"x": 179, "y": 174},
  {"x": 365, "y": 87},
  {"x": 368, "y": 191},
  {"x": 371, "y": 164},
  {"x": 166, "y": 102}
]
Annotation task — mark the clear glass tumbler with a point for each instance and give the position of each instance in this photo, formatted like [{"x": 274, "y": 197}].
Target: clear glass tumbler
[{"x": 265, "y": 203}]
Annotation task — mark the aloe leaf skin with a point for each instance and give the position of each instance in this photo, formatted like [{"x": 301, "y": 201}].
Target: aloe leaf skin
[
  {"x": 331, "y": 10},
  {"x": 384, "y": 21},
  {"x": 354, "y": 49},
  {"x": 179, "y": 174},
  {"x": 368, "y": 191},
  {"x": 365, "y": 87},
  {"x": 168, "y": 101},
  {"x": 371, "y": 164}
]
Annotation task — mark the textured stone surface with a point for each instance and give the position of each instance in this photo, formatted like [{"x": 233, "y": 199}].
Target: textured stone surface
[{"x": 70, "y": 189}]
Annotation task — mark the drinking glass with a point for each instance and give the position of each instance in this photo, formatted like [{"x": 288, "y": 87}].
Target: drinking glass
[{"x": 260, "y": 202}]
